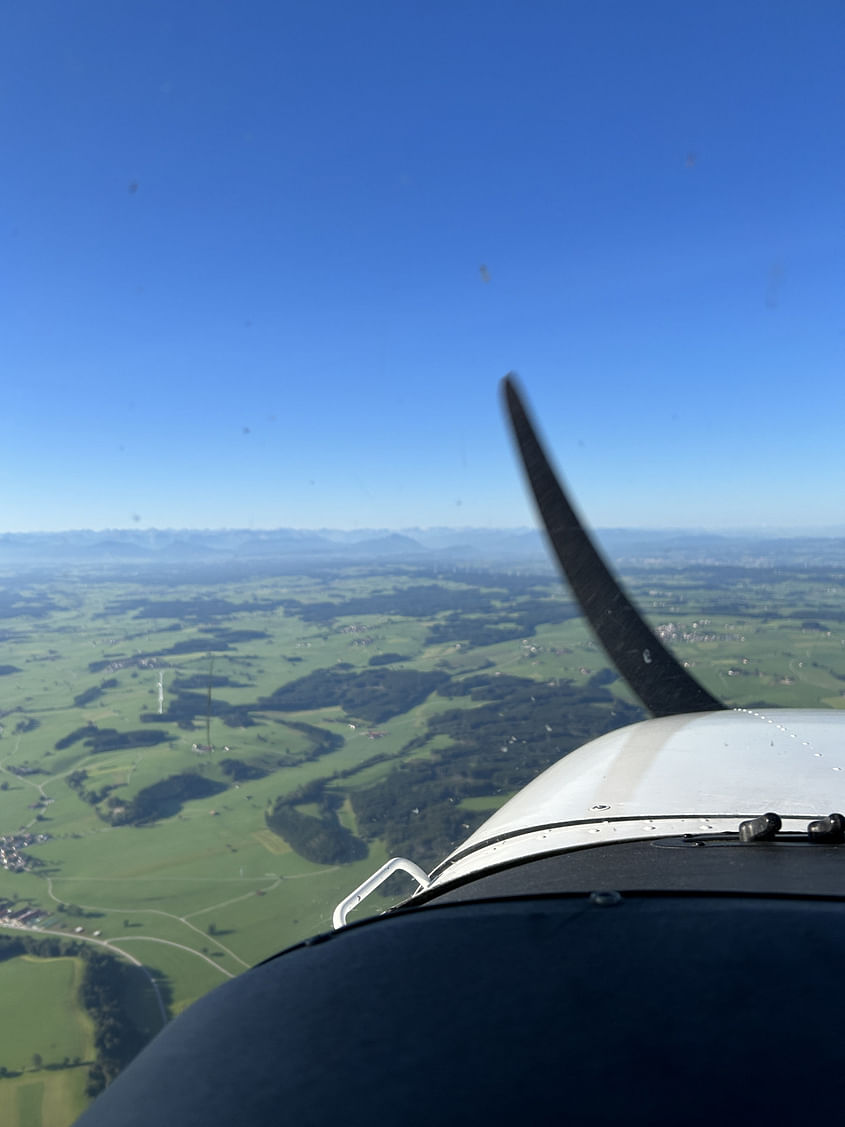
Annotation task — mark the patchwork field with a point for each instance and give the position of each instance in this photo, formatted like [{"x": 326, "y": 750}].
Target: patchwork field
[
  {"x": 45, "y": 1022},
  {"x": 193, "y": 773},
  {"x": 43, "y": 1099}
]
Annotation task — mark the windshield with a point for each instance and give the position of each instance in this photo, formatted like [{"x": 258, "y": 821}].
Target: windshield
[{"x": 273, "y": 606}]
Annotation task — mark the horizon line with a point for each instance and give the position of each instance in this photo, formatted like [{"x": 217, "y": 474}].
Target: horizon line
[{"x": 832, "y": 531}]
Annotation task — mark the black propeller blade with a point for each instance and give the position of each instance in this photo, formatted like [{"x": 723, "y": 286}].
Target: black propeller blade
[{"x": 661, "y": 683}]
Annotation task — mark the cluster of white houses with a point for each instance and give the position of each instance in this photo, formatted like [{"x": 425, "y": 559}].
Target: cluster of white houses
[{"x": 12, "y": 846}]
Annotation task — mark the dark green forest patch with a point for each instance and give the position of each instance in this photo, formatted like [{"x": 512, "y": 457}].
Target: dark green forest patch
[
  {"x": 322, "y": 741},
  {"x": 204, "y": 681},
  {"x": 374, "y": 695},
  {"x": 94, "y": 693},
  {"x": 425, "y": 601},
  {"x": 474, "y": 632},
  {"x": 519, "y": 728},
  {"x": 191, "y": 610},
  {"x": 164, "y": 799},
  {"x": 232, "y": 636},
  {"x": 15, "y": 604},
  {"x": 216, "y": 641},
  {"x": 238, "y": 771},
  {"x": 320, "y": 839},
  {"x": 520, "y": 621},
  {"x": 109, "y": 739},
  {"x": 185, "y": 707},
  {"x": 106, "y": 984}
]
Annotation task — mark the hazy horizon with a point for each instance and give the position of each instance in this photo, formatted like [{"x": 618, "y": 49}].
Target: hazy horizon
[{"x": 810, "y": 531}]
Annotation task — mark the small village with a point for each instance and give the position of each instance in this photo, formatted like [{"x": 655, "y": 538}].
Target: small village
[
  {"x": 28, "y": 917},
  {"x": 12, "y": 856},
  {"x": 11, "y": 915}
]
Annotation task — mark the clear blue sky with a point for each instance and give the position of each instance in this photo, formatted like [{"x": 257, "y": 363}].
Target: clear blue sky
[{"x": 240, "y": 270}]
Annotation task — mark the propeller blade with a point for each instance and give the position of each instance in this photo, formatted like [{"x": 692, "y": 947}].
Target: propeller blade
[{"x": 657, "y": 678}]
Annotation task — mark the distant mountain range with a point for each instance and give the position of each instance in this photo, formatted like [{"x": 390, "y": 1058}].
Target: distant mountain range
[{"x": 481, "y": 546}]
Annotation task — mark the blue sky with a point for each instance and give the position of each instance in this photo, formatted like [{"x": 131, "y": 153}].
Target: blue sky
[{"x": 242, "y": 245}]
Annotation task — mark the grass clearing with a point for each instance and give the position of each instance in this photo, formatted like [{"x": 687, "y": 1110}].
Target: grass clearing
[
  {"x": 272, "y": 842},
  {"x": 43, "y": 1099},
  {"x": 40, "y": 1012}
]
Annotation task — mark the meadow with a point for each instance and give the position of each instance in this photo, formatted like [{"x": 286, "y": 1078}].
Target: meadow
[
  {"x": 43, "y": 1099},
  {"x": 333, "y": 696},
  {"x": 40, "y": 1028},
  {"x": 43, "y": 1024}
]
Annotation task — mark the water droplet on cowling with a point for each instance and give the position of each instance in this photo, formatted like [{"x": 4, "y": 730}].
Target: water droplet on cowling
[{"x": 605, "y": 899}]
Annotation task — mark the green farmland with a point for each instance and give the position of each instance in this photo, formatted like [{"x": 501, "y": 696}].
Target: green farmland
[
  {"x": 47, "y": 1022},
  {"x": 44, "y": 1025},
  {"x": 43, "y": 1099},
  {"x": 192, "y": 774}
]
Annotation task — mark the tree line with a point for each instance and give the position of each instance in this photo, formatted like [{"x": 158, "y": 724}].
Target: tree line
[
  {"x": 421, "y": 601},
  {"x": 374, "y": 695},
  {"x": 109, "y": 739},
  {"x": 106, "y": 984},
  {"x": 518, "y": 729},
  {"x": 321, "y": 838},
  {"x": 94, "y": 693}
]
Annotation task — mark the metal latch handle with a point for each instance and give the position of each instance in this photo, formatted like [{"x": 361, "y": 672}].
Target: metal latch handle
[{"x": 371, "y": 883}]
